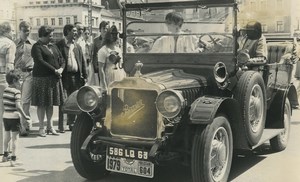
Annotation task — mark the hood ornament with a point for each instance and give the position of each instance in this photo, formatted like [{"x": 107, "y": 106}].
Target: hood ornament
[{"x": 138, "y": 67}]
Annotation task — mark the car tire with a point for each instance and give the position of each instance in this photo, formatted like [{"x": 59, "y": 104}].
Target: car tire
[
  {"x": 279, "y": 142},
  {"x": 85, "y": 166},
  {"x": 251, "y": 95},
  {"x": 214, "y": 140}
]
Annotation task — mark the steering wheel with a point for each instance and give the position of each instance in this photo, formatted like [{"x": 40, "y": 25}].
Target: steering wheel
[{"x": 216, "y": 43}]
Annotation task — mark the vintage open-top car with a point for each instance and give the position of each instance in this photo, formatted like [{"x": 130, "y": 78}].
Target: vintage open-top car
[{"x": 195, "y": 107}]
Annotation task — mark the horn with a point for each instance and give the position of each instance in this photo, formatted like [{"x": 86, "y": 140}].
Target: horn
[{"x": 221, "y": 75}]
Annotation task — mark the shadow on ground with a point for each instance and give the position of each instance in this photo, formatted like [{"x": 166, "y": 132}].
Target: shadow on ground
[
  {"x": 50, "y": 146},
  {"x": 67, "y": 175}
]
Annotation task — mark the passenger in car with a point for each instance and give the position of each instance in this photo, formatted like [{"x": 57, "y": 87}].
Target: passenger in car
[
  {"x": 252, "y": 41},
  {"x": 130, "y": 41},
  {"x": 174, "y": 44}
]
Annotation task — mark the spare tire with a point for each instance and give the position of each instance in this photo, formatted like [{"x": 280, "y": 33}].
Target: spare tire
[{"x": 251, "y": 95}]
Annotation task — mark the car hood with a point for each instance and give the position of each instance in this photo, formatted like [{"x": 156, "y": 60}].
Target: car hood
[{"x": 176, "y": 79}]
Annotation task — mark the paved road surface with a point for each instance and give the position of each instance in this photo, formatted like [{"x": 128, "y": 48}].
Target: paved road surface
[{"x": 48, "y": 160}]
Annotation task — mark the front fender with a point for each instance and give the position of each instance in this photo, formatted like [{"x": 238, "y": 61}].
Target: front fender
[
  {"x": 70, "y": 105},
  {"x": 204, "y": 109}
]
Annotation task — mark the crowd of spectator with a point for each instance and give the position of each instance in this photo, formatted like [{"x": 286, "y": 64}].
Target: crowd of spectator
[{"x": 43, "y": 73}]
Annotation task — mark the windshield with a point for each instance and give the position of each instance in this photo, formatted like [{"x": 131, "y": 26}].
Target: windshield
[{"x": 195, "y": 30}]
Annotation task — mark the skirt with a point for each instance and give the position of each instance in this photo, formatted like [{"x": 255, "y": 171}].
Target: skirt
[{"x": 47, "y": 91}]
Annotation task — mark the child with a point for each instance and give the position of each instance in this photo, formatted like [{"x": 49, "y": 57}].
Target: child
[{"x": 11, "y": 115}]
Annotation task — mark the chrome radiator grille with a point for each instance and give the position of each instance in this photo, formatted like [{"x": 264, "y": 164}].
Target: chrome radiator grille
[
  {"x": 191, "y": 94},
  {"x": 134, "y": 113}
]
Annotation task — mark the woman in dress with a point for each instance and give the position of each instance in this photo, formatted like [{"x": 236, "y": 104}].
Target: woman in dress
[
  {"x": 47, "y": 85},
  {"x": 107, "y": 56}
]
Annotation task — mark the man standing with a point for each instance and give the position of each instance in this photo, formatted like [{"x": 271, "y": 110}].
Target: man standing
[
  {"x": 79, "y": 37},
  {"x": 74, "y": 75},
  {"x": 103, "y": 27},
  {"x": 7, "y": 57},
  {"x": 24, "y": 64}
]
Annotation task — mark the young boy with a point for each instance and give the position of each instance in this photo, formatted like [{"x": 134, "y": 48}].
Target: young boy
[{"x": 11, "y": 115}]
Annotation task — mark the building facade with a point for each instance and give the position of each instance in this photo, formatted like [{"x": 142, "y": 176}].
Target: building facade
[
  {"x": 57, "y": 13},
  {"x": 279, "y": 18},
  {"x": 7, "y": 13}
]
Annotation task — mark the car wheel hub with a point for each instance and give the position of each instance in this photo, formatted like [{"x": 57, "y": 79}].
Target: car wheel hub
[
  {"x": 284, "y": 133},
  {"x": 219, "y": 154},
  {"x": 256, "y": 108}
]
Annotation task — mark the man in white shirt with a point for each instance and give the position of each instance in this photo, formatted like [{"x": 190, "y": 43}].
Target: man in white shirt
[
  {"x": 174, "y": 44},
  {"x": 74, "y": 75}
]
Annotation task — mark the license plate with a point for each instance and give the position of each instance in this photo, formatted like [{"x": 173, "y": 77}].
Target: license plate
[{"x": 132, "y": 166}]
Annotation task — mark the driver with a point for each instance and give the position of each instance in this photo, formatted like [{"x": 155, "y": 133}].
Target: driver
[
  {"x": 177, "y": 43},
  {"x": 252, "y": 41}
]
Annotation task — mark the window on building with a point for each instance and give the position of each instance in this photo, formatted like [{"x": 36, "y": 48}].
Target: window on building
[
  {"x": 45, "y": 2},
  {"x": 264, "y": 28},
  {"x": 93, "y": 22},
  {"x": 52, "y": 2},
  {"x": 38, "y": 22},
  {"x": 30, "y": 2},
  {"x": 75, "y": 1},
  {"x": 38, "y": 2},
  {"x": 67, "y": 1},
  {"x": 86, "y": 20},
  {"x": 252, "y": 5},
  {"x": 263, "y": 4},
  {"x": 31, "y": 21},
  {"x": 60, "y": 1},
  {"x": 45, "y": 21},
  {"x": 60, "y": 21},
  {"x": 120, "y": 27},
  {"x": 279, "y": 26},
  {"x": 75, "y": 19},
  {"x": 68, "y": 20},
  {"x": 279, "y": 4},
  {"x": 97, "y": 21},
  {"x": 52, "y": 21}
]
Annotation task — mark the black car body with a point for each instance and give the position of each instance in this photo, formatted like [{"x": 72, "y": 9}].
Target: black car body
[{"x": 195, "y": 108}]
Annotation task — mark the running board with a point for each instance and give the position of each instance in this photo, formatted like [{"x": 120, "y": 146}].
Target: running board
[{"x": 267, "y": 135}]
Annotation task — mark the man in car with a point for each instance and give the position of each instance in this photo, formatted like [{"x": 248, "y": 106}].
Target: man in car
[
  {"x": 252, "y": 41},
  {"x": 176, "y": 43}
]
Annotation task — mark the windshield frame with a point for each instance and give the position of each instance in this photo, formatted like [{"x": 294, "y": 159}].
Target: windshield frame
[{"x": 179, "y": 5}]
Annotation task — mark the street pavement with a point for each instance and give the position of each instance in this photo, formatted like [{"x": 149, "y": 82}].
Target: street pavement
[{"x": 49, "y": 160}]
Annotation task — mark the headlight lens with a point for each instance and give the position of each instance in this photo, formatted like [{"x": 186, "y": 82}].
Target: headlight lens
[
  {"x": 88, "y": 98},
  {"x": 170, "y": 103}
]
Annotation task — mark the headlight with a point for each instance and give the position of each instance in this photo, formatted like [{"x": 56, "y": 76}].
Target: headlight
[
  {"x": 88, "y": 98},
  {"x": 170, "y": 103}
]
